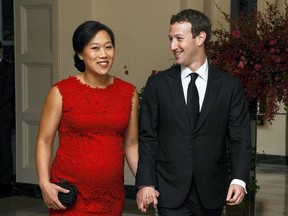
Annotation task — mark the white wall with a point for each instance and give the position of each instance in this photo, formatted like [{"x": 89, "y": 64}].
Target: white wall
[
  {"x": 271, "y": 138},
  {"x": 141, "y": 31},
  {"x": 72, "y": 13}
]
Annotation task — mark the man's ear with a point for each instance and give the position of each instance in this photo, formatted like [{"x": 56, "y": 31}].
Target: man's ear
[{"x": 201, "y": 38}]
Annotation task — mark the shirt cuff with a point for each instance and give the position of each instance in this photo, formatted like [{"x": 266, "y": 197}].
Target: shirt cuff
[
  {"x": 239, "y": 182},
  {"x": 146, "y": 186}
]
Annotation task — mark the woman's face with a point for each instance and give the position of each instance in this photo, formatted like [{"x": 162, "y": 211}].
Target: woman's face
[{"x": 98, "y": 55}]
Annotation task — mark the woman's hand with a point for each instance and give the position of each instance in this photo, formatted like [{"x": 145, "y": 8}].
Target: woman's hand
[{"x": 50, "y": 195}]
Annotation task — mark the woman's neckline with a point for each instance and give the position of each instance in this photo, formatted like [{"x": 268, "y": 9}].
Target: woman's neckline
[{"x": 95, "y": 87}]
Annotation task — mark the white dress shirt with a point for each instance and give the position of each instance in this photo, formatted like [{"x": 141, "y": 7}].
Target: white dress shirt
[{"x": 201, "y": 81}]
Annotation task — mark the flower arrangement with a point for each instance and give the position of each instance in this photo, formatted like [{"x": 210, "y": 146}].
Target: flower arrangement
[{"x": 256, "y": 51}]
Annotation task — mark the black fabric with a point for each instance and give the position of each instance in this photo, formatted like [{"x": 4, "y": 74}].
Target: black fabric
[
  {"x": 193, "y": 100},
  {"x": 6, "y": 158},
  {"x": 194, "y": 203},
  {"x": 7, "y": 122},
  {"x": 67, "y": 199},
  {"x": 182, "y": 210},
  {"x": 171, "y": 151},
  {"x": 7, "y": 90}
]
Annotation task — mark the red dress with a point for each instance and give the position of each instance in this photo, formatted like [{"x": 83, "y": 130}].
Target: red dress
[{"x": 91, "y": 150}]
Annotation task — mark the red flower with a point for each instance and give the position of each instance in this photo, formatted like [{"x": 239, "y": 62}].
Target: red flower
[
  {"x": 277, "y": 78},
  {"x": 236, "y": 33},
  {"x": 241, "y": 64},
  {"x": 256, "y": 51},
  {"x": 257, "y": 67},
  {"x": 273, "y": 42},
  {"x": 272, "y": 50}
]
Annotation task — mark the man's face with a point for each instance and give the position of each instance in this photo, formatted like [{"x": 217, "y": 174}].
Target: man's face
[{"x": 182, "y": 44}]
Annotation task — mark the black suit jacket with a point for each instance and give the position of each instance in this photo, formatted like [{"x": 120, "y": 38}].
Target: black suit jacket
[{"x": 171, "y": 152}]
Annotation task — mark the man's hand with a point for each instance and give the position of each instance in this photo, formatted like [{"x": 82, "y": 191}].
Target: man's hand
[
  {"x": 145, "y": 196},
  {"x": 235, "y": 195}
]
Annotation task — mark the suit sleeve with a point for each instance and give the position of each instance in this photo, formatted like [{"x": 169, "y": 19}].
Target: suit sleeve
[
  {"x": 239, "y": 135},
  {"x": 148, "y": 137}
]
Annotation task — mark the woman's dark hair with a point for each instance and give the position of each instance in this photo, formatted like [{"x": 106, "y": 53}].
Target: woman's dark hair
[
  {"x": 83, "y": 35},
  {"x": 198, "y": 20}
]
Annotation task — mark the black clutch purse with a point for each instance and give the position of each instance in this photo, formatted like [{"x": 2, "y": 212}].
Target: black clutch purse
[{"x": 67, "y": 199}]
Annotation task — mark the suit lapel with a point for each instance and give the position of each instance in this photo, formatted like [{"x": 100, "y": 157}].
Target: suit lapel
[
  {"x": 213, "y": 86},
  {"x": 175, "y": 84}
]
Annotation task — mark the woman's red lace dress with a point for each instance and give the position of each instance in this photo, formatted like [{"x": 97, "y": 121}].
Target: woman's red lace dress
[{"x": 91, "y": 150}]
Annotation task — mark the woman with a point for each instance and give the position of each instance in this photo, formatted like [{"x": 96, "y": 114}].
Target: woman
[{"x": 96, "y": 116}]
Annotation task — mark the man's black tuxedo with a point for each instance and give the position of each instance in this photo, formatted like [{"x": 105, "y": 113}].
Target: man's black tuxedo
[{"x": 171, "y": 153}]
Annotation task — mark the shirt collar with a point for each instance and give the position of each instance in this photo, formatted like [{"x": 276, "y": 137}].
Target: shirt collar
[{"x": 202, "y": 71}]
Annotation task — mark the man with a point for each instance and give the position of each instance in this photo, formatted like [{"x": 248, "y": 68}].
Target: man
[
  {"x": 186, "y": 161},
  {"x": 7, "y": 122}
]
